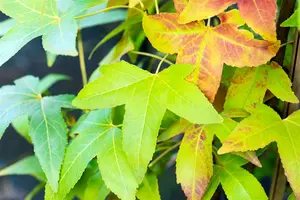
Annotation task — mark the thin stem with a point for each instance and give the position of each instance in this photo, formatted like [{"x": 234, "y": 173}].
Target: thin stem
[
  {"x": 164, "y": 153},
  {"x": 153, "y": 56},
  {"x": 35, "y": 191},
  {"x": 156, "y": 6},
  {"x": 81, "y": 59},
  {"x": 107, "y": 9},
  {"x": 160, "y": 63},
  {"x": 284, "y": 44}
]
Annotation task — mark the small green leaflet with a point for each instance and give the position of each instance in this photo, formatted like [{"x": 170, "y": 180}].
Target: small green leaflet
[
  {"x": 249, "y": 85},
  {"x": 293, "y": 21},
  {"x": 263, "y": 127},
  {"x": 147, "y": 96},
  {"x": 237, "y": 182},
  {"x": 148, "y": 188},
  {"x": 35, "y": 18},
  {"x": 97, "y": 137},
  {"x": 6, "y": 25},
  {"x": 48, "y": 129},
  {"x": 27, "y": 166}
]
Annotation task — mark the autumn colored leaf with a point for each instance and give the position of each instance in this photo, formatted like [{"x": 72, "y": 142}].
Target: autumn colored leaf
[
  {"x": 237, "y": 182},
  {"x": 249, "y": 85},
  {"x": 146, "y": 97},
  {"x": 208, "y": 48},
  {"x": 260, "y": 15},
  {"x": 194, "y": 167},
  {"x": 263, "y": 127}
]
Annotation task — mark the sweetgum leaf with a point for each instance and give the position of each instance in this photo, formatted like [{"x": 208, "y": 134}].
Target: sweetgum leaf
[
  {"x": 27, "y": 166},
  {"x": 148, "y": 188},
  {"x": 249, "y": 86},
  {"x": 34, "y": 19},
  {"x": 146, "y": 97},
  {"x": 194, "y": 167},
  {"x": 260, "y": 15},
  {"x": 97, "y": 137},
  {"x": 208, "y": 48},
  {"x": 237, "y": 182},
  {"x": 48, "y": 129},
  {"x": 266, "y": 124}
]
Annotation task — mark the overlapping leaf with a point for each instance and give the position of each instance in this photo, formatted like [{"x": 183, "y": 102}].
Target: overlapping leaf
[
  {"x": 148, "y": 188},
  {"x": 237, "y": 182},
  {"x": 293, "y": 21},
  {"x": 27, "y": 166},
  {"x": 97, "y": 137},
  {"x": 208, "y": 48},
  {"x": 147, "y": 96},
  {"x": 34, "y": 19},
  {"x": 194, "y": 167},
  {"x": 249, "y": 85},
  {"x": 263, "y": 127},
  {"x": 48, "y": 130},
  {"x": 260, "y": 15}
]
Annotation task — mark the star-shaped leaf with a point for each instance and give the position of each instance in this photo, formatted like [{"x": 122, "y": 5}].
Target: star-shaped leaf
[
  {"x": 194, "y": 167},
  {"x": 208, "y": 48},
  {"x": 263, "y": 127},
  {"x": 147, "y": 96},
  {"x": 97, "y": 137},
  {"x": 48, "y": 129},
  {"x": 260, "y": 15},
  {"x": 35, "y": 18},
  {"x": 237, "y": 182},
  {"x": 249, "y": 85}
]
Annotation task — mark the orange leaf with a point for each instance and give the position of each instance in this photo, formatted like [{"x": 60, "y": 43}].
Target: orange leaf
[
  {"x": 260, "y": 15},
  {"x": 207, "y": 47}
]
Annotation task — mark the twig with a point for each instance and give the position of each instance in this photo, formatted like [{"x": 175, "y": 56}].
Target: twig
[
  {"x": 164, "y": 153},
  {"x": 153, "y": 56}
]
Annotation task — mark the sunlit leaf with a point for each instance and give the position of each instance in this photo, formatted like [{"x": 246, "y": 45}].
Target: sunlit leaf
[
  {"x": 260, "y": 15},
  {"x": 147, "y": 96},
  {"x": 208, "y": 48},
  {"x": 293, "y": 21},
  {"x": 47, "y": 127},
  {"x": 263, "y": 127},
  {"x": 148, "y": 188}
]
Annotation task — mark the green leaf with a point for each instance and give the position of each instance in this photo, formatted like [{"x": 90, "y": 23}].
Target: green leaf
[
  {"x": 27, "y": 166},
  {"x": 96, "y": 188},
  {"x": 36, "y": 19},
  {"x": 48, "y": 130},
  {"x": 149, "y": 188},
  {"x": 178, "y": 127},
  {"x": 51, "y": 58},
  {"x": 292, "y": 197},
  {"x": 21, "y": 125},
  {"x": 266, "y": 124},
  {"x": 237, "y": 182},
  {"x": 293, "y": 21},
  {"x": 147, "y": 96},
  {"x": 97, "y": 137},
  {"x": 6, "y": 25},
  {"x": 249, "y": 85},
  {"x": 49, "y": 80}
]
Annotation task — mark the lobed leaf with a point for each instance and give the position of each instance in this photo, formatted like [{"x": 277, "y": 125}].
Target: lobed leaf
[
  {"x": 266, "y": 124},
  {"x": 147, "y": 96},
  {"x": 208, "y": 48},
  {"x": 260, "y": 15}
]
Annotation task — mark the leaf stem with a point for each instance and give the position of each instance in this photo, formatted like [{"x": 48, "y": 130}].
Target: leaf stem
[
  {"x": 35, "y": 191},
  {"x": 81, "y": 58},
  {"x": 164, "y": 153},
  {"x": 107, "y": 9},
  {"x": 160, "y": 64},
  {"x": 208, "y": 22},
  {"x": 284, "y": 44},
  {"x": 156, "y": 6},
  {"x": 153, "y": 56},
  {"x": 142, "y": 4}
]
